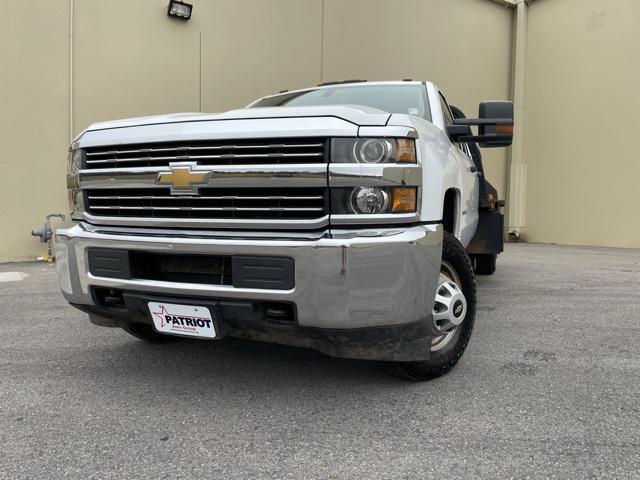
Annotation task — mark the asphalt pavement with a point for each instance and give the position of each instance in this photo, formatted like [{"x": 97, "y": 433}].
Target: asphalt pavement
[{"x": 548, "y": 388}]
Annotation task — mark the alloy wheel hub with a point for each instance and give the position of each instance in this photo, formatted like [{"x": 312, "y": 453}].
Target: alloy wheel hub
[{"x": 450, "y": 307}]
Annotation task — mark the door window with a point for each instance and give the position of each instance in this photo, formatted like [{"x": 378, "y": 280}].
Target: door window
[
  {"x": 448, "y": 120},
  {"x": 446, "y": 113}
]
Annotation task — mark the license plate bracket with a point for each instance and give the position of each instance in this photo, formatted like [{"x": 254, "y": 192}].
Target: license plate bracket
[{"x": 184, "y": 320}]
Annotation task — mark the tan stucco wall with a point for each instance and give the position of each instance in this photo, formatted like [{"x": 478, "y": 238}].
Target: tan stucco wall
[
  {"x": 130, "y": 59},
  {"x": 581, "y": 122},
  {"x": 34, "y": 118},
  {"x": 229, "y": 53}
]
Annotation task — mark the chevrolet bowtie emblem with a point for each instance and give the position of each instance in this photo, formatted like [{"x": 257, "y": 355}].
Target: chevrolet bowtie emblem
[{"x": 182, "y": 179}]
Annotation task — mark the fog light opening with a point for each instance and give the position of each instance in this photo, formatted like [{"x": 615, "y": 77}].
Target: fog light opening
[{"x": 369, "y": 200}]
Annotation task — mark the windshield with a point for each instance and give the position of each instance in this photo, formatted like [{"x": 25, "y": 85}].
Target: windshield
[{"x": 409, "y": 99}]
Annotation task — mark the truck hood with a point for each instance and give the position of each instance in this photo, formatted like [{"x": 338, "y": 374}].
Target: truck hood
[{"x": 356, "y": 114}]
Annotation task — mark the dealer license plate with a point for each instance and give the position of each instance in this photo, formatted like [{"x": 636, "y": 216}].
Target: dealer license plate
[{"x": 186, "y": 320}]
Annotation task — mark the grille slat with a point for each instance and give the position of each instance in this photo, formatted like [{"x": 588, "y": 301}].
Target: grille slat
[
  {"x": 182, "y": 197},
  {"x": 212, "y": 209},
  {"x": 290, "y": 151},
  {"x": 229, "y": 156},
  {"x": 210, "y": 147},
  {"x": 243, "y": 203}
]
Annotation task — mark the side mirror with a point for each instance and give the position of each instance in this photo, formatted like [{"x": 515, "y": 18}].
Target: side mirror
[
  {"x": 495, "y": 126},
  {"x": 501, "y": 132}
]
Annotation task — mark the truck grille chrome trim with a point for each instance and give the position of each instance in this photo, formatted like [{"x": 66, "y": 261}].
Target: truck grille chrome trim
[
  {"x": 374, "y": 175},
  {"x": 261, "y": 183},
  {"x": 223, "y": 197},
  {"x": 223, "y": 204},
  {"x": 212, "y": 209},
  {"x": 227, "y": 176},
  {"x": 203, "y": 157},
  {"x": 206, "y": 223},
  {"x": 230, "y": 152}
]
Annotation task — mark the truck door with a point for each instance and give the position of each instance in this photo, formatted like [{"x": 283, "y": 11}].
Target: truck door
[{"x": 468, "y": 218}]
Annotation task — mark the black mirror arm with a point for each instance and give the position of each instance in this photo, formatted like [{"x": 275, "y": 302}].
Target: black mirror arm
[
  {"x": 456, "y": 132},
  {"x": 499, "y": 137},
  {"x": 483, "y": 121}
]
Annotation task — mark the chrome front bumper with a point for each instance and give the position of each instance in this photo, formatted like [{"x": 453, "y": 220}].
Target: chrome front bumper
[{"x": 344, "y": 279}]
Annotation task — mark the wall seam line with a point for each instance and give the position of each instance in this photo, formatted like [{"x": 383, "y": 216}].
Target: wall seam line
[
  {"x": 71, "y": 61},
  {"x": 200, "y": 74},
  {"x": 322, "y": 43}
]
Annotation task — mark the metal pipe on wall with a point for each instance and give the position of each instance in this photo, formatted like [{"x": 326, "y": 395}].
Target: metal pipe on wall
[
  {"x": 517, "y": 169},
  {"x": 71, "y": 99}
]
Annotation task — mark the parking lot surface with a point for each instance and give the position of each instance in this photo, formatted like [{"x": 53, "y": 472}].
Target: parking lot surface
[{"x": 548, "y": 388}]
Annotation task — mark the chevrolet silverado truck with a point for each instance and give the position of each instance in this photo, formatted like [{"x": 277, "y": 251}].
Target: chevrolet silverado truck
[{"x": 346, "y": 218}]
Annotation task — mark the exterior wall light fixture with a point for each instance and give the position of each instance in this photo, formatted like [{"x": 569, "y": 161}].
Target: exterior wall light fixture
[{"x": 179, "y": 9}]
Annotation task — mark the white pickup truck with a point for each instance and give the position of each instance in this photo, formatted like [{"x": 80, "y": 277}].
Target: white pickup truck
[{"x": 347, "y": 218}]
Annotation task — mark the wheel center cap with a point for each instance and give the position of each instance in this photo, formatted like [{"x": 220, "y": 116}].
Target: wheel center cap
[
  {"x": 458, "y": 308},
  {"x": 450, "y": 307}
]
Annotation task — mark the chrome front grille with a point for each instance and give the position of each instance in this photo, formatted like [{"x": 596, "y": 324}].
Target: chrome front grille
[
  {"x": 219, "y": 152},
  {"x": 212, "y": 203},
  {"x": 268, "y": 183}
]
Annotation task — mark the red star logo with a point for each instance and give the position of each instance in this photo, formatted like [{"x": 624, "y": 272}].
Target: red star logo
[{"x": 163, "y": 311}]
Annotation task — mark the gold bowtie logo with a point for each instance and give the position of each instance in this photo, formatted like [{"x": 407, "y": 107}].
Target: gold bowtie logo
[{"x": 182, "y": 179}]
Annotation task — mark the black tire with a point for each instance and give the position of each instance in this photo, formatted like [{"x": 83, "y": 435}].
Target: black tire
[
  {"x": 441, "y": 361},
  {"x": 485, "y": 264},
  {"x": 146, "y": 332}
]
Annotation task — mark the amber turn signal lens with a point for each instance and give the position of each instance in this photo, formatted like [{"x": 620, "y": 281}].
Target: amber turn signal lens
[
  {"x": 405, "y": 150},
  {"x": 404, "y": 200},
  {"x": 508, "y": 129}
]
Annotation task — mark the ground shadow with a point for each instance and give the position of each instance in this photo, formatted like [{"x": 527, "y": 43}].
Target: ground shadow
[{"x": 229, "y": 364}]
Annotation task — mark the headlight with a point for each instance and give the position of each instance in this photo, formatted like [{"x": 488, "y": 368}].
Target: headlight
[
  {"x": 374, "y": 200},
  {"x": 369, "y": 200},
  {"x": 373, "y": 150},
  {"x": 74, "y": 161}
]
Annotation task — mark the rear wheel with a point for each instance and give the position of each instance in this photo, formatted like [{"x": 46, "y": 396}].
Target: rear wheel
[
  {"x": 146, "y": 332},
  {"x": 454, "y": 312},
  {"x": 485, "y": 264}
]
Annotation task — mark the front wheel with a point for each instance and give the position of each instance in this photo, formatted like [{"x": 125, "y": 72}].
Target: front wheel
[{"x": 454, "y": 312}]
